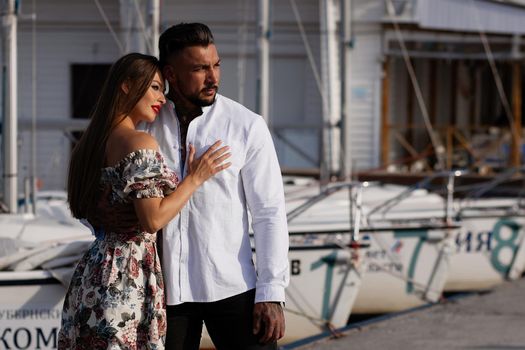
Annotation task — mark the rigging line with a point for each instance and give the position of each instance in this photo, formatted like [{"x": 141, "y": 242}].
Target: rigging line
[
  {"x": 436, "y": 143},
  {"x": 309, "y": 53},
  {"x": 302, "y": 312},
  {"x": 142, "y": 24},
  {"x": 305, "y": 315},
  {"x": 32, "y": 174},
  {"x": 242, "y": 32},
  {"x": 318, "y": 322},
  {"x": 294, "y": 294},
  {"x": 127, "y": 38},
  {"x": 383, "y": 245},
  {"x": 109, "y": 26},
  {"x": 495, "y": 73}
]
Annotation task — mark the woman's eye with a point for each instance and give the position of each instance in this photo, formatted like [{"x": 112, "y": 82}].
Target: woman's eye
[{"x": 155, "y": 87}]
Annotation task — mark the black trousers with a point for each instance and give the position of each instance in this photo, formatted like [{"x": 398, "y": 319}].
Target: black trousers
[{"x": 228, "y": 321}]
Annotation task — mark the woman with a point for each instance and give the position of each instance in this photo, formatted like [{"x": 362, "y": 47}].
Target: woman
[{"x": 116, "y": 296}]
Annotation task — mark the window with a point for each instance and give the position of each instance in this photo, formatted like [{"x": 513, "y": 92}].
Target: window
[{"x": 86, "y": 84}]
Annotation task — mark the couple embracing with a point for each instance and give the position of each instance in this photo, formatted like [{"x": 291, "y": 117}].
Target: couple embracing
[{"x": 182, "y": 170}]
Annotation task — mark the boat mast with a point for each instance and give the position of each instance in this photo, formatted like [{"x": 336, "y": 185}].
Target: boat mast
[
  {"x": 331, "y": 78},
  {"x": 10, "y": 127},
  {"x": 155, "y": 26},
  {"x": 133, "y": 27},
  {"x": 263, "y": 59},
  {"x": 348, "y": 43},
  {"x": 139, "y": 26}
]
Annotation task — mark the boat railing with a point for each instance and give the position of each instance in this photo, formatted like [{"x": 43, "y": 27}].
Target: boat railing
[
  {"x": 478, "y": 190},
  {"x": 355, "y": 200},
  {"x": 474, "y": 191},
  {"x": 387, "y": 205}
]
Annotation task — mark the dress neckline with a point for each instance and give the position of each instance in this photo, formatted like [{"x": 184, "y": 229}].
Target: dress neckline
[{"x": 130, "y": 155}]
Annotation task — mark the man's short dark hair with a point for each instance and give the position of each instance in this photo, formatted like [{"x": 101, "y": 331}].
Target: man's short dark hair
[{"x": 178, "y": 37}]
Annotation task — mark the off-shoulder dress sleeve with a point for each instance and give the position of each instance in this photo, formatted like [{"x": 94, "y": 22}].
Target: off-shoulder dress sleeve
[{"x": 145, "y": 174}]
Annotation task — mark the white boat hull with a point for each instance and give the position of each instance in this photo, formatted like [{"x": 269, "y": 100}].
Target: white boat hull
[
  {"x": 404, "y": 269},
  {"x": 488, "y": 251},
  {"x": 407, "y": 262},
  {"x": 30, "y": 310},
  {"x": 324, "y": 284}
]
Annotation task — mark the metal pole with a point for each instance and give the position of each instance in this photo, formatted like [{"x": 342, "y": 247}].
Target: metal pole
[
  {"x": 10, "y": 130},
  {"x": 133, "y": 34},
  {"x": 27, "y": 194},
  {"x": 263, "y": 59},
  {"x": 33, "y": 114},
  {"x": 155, "y": 27},
  {"x": 331, "y": 78},
  {"x": 348, "y": 43},
  {"x": 450, "y": 198}
]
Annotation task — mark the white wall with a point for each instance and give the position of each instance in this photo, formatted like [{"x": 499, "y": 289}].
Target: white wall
[
  {"x": 58, "y": 46},
  {"x": 365, "y": 107}
]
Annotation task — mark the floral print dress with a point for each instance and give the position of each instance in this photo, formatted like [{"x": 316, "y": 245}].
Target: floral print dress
[{"x": 116, "y": 296}]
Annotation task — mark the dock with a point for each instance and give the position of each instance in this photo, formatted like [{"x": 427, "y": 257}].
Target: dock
[{"x": 489, "y": 320}]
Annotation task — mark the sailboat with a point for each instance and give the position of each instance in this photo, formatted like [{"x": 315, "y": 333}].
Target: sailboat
[
  {"x": 490, "y": 247},
  {"x": 404, "y": 264},
  {"x": 38, "y": 248},
  {"x": 36, "y": 264},
  {"x": 408, "y": 245},
  {"x": 423, "y": 243},
  {"x": 483, "y": 239}
]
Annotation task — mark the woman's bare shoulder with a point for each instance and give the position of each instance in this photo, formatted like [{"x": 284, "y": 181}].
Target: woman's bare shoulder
[
  {"x": 140, "y": 140},
  {"x": 125, "y": 142}
]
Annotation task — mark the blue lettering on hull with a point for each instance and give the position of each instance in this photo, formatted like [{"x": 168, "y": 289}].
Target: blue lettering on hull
[{"x": 492, "y": 242}]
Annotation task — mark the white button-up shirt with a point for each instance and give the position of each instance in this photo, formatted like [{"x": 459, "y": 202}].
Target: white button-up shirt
[{"x": 207, "y": 254}]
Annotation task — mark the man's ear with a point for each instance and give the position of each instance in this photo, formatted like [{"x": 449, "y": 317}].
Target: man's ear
[
  {"x": 168, "y": 73},
  {"x": 125, "y": 88}
]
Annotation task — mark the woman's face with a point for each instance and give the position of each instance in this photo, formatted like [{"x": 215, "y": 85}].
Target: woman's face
[{"x": 149, "y": 105}]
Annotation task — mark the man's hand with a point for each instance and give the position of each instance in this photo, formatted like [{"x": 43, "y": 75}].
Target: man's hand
[{"x": 268, "y": 317}]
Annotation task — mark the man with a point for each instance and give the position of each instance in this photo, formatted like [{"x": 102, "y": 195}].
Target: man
[{"x": 207, "y": 258}]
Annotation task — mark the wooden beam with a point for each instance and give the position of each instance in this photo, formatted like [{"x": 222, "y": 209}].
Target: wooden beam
[
  {"x": 515, "y": 152},
  {"x": 385, "y": 124},
  {"x": 452, "y": 120},
  {"x": 453, "y": 92},
  {"x": 473, "y": 93},
  {"x": 409, "y": 132},
  {"x": 450, "y": 145},
  {"x": 433, "y": 92}
]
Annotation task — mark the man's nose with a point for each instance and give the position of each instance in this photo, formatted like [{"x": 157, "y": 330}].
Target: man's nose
[{"x": 213, "y": 76}]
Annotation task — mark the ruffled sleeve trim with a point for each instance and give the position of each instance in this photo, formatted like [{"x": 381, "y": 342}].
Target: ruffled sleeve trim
[{"x": 141, "y": 174}]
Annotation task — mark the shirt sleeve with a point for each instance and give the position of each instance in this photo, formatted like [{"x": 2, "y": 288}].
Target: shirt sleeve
[{"x": 263, "y": 187}]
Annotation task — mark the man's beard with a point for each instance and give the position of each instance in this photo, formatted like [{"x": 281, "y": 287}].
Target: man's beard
[{"x": 200, "y": 102}]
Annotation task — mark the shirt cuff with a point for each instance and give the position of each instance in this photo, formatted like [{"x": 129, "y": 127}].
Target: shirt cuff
[{"x": 269, "y": 293}]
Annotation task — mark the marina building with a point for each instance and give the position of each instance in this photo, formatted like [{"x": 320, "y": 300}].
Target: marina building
[{"x": 345, "y": 85}]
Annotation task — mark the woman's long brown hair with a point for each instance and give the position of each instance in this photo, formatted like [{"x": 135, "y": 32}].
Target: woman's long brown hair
[{"x": 88, "y": 157}]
